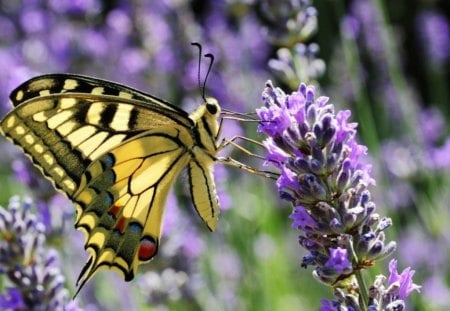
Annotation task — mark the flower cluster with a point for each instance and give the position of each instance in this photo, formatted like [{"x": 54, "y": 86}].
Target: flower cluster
[
  {"x": 35, "y": 280},
  {"x": 290, "y": 26},
  {"x": 288, "y": 22},
  {"x": 322, "y": 174}
]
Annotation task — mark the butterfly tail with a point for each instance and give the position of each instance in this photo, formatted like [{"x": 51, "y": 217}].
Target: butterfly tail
[{"x": 85, "y": 275}]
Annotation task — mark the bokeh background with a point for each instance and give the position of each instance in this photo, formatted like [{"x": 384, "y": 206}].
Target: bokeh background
[{"x": 386, "y": 61}]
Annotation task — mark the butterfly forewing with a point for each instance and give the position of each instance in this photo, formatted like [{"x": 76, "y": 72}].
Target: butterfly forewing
[
  {"x": 63, "y": 83},
  {"x": 115, "y": 152},
  {"x": 63, "y": 133}
]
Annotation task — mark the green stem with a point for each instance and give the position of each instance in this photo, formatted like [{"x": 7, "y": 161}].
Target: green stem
[{"x": 363, "y": 292}]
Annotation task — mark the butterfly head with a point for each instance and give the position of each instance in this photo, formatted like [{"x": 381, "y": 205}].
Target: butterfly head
[
  {"x": 212, "y": 107},
  {"x": 205, "y": 118}
]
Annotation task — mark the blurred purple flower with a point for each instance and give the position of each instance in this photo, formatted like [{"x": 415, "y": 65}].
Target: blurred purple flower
[
  {"x": 288, "y": 22},
  {"x": 351, "y": 27},
  {"x": 78, "y": 7},
  {"x": 300, "y": 63},
  {"x": 431, "y": 125},
  {"x": 419, "y": 257},
  {"x": 434, "y": 31},
  {"x": 28, "y": 264},
  {"x": 404, "y": 159},
  {"x": 289, "y": 26},
  {"x": 180, "y": 235},
  {"x": 367, "y": 21},
  {"x": 12, "y": 300},
  {"x": 33, "y": 21},
  {"x": 440, "y": 156},
  {"x": 168, "y": 285},
  {"x": 9, "y": 31},
  {"x": 436, "y": 291}
]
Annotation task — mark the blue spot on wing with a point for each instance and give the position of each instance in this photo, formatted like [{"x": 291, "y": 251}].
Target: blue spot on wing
[
  {"x": 109, "y": 199},
  {"x": 108, "y": 161},
  {"x": 135, "y": 227}
]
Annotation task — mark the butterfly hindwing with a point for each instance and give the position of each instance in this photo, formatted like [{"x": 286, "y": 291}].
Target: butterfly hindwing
[{"x": 121, "y": 204}]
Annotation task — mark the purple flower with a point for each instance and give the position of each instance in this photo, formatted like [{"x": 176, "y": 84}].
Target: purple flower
[
  {"x": 327, "y": 305},
  {"x": 403, "y": 280},
  {"x": 287, "y": 181},
  {"x": 12, "y": 300},
  {"x": 302, "y": 220},
  {"x": 274, "y": 119},
  {"x": 323, "y": 173},
  {"x": 338, "y": 260},
  {"x": 28, "y": 264},
  {"x": 390, "y": 295}
]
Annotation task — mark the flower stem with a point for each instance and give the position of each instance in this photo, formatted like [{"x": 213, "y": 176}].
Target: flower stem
[{"x": 363, "y": 297}]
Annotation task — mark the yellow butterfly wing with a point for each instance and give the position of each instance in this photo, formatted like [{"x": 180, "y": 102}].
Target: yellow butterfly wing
[
  {"x": 63, "y": 132},
  {"x": 121, "y": 201},
  {"x": 203, "y": 191},
  {"x": 58, "y": 83},
  {"x": 115, "y": 152}
]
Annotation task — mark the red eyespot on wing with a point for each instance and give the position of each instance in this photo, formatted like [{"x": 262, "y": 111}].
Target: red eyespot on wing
[{"x": 147, "y": 249}]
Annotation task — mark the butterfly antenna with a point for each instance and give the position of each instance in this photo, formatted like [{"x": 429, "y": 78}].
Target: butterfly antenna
[
  {"x": 211, "y": 62},
  {"x": 199, "y": 46}
]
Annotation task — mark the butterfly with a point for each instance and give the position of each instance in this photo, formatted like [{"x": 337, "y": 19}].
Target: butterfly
[{"x": 115, "y": 152}]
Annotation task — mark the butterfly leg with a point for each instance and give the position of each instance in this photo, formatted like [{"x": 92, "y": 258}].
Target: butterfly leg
[
  {"x": 232, "y": 141},
  {"x": 234, "y": 163}
]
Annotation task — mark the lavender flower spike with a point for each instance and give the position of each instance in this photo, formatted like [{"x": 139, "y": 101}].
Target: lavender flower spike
[
  {"x": 35, "y": 282},
  {"x": 323, "y": 175}
]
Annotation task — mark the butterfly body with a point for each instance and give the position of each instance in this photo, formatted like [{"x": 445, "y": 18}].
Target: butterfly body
[{"x": 115, "y": 152}]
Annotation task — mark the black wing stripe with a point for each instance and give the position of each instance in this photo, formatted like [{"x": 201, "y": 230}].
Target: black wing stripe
[
  {"x": 54, "y": 83},
  {"x": 138, "y": 114},
  {"x": 107, "y": 115}
]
